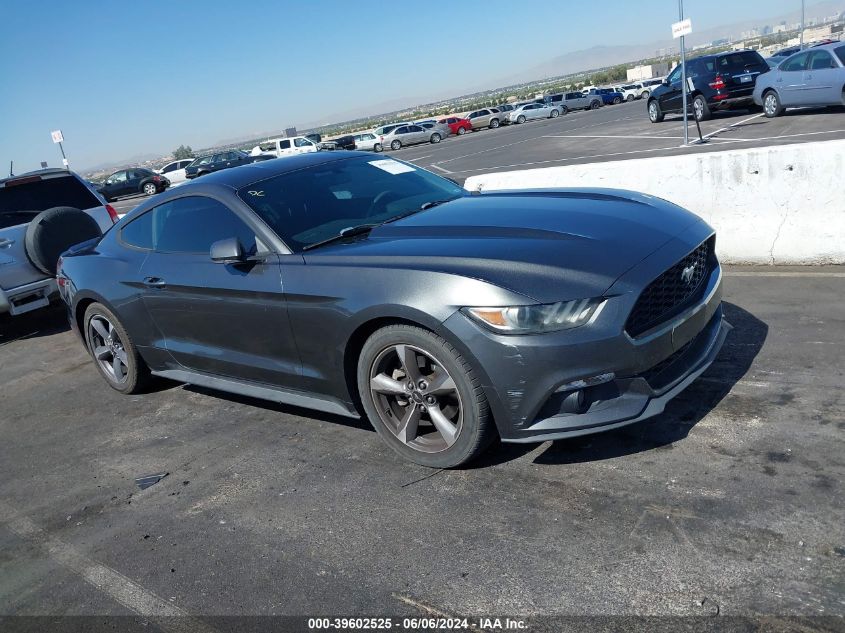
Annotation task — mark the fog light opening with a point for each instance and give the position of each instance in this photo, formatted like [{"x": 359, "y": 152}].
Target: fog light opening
[{"x": 575, "y": 402}]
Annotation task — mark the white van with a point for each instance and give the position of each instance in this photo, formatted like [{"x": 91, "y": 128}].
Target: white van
[{"x": 279, "y": 147}]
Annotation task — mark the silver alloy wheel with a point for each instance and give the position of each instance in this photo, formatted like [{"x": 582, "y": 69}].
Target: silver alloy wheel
[
  {"x": 698, "y": 108},
  {"x": 435, "y": 138},
  {"x": 462, "y": 131},
  {"x": 554, "y": 114},
  {"x": 629, "y": 98},
  {"x": 395, "y": 145},
  {"x": 771, "y": 104},
  {"x": 377, "y": 147},
  {"x": 149, "y": 189},
  {"x": 494, "y": 123},
  {"x": 416, "y": 398},
  {"x": 645, "y": 94},
  {"x": 108, "y": 349},
  {"x": 652, "y": 111},
  {"x": 520, "y": 119}
]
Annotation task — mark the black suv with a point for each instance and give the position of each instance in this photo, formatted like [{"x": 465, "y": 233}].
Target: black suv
[
  {"x": 718, "y": 82},
  {"x": 222, "y": 160}
]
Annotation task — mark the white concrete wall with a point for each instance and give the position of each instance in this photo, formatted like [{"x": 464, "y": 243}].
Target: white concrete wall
[{"x": 769, "y": 205}]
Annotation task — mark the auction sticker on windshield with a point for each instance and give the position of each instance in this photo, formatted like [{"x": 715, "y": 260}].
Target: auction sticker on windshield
[{"x": 392, "y": 166}]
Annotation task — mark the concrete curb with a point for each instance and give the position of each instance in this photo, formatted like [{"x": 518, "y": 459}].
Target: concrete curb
[{"x": 769, "y": 205}]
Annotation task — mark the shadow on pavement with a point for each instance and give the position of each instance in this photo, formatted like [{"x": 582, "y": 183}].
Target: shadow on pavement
[{"x": 35, "y": 324}]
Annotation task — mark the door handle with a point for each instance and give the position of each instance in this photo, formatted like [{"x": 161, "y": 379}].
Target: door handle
[{"x": 154, "y": 282}]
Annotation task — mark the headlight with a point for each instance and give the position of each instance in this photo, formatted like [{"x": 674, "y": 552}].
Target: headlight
[{"x": 536, "y": 319}]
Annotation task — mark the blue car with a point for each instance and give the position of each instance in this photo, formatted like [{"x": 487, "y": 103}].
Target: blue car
[{"x": 608, "y": 95}]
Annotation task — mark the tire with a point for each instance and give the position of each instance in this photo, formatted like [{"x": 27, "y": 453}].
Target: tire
[
  {"x": 149, "y": 189},
  {"x": 395, "y": 144},
  {"x": 462, "y": 131},
  {"x": 629, "y": 98},
  {"x": 654, "y": 113},
  {"x": 564, "y": 110},
  {"x": 554, "y": 114},
  {"x": 771, "y": 104},
  {"x": 595, "y": 105},
  {"x": 700, "y": 109},
  {"x": 435, "y": 138},
  {"x": 617, "y": 100},
  {"x": 52, "y": 232},
  {"x": 106, "y": 337},
  {"x": 468, "y": 427},
  {"x": 645, "y": 94},
  {"x": 520, "y": 118},
  {"x": 494, "y": 123},
  {"x": 377, "y": 147}
]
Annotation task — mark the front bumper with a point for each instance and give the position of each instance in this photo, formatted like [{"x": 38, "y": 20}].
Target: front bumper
[{"x": 527, "y": 378}]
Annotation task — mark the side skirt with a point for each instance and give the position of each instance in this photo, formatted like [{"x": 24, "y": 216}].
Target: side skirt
[{"x": 295, "y": 398}]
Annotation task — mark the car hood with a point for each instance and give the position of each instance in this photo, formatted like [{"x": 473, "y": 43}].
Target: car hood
[{"x": 546, "y": 245}]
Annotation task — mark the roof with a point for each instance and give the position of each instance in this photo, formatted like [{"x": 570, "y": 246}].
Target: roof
[
  {"x": 238, "y": 177},
  {"x": 50, "y": 171}
]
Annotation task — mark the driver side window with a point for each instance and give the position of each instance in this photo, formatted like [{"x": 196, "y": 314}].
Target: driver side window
[
  {"x": 675, "y": 76},
  {"x": 192, "y": 224}
]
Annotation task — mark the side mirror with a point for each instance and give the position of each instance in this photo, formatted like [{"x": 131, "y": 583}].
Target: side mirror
[
  {"x": 665, "y": 82},
  {"x": 228, "y": 251}
]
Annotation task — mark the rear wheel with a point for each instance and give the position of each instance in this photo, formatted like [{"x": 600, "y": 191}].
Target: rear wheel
[
  {"x": 149, "y": 188},
  {"x": 564, "y": 110},
  {"x": 520, "y": 118},
  {"x": 423, "y": 397},
  {"x": 494, "y": 124},
  {"x": 114, "y": 353},
  {"x": 617, "y": 100},
  {"x": 595, "y": 105},
  {"x": 700, "y": 109},
  {"x": 394, "y": 145},
  {"x": 644, "y": 94},
  {"x": 629, "y": 98},
  {"x": 654, "y": 113},
  {"x": 771, "y": 104}
]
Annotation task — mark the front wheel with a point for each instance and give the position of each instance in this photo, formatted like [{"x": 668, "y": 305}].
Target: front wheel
[
  {"x": 771, "y": 105},
  {"x": 617, "y": 100},
  {"x": 629, "y": 98},
  {"x": 377, "y": 147},
  {"x": 114, "y": 353},
  {"x": 423, "y": 398},
  {"x": 149, "y": 188},
  {"x": 700, "y": 109},
  {"x": 494, "y": 124},
  {"x": 435, "y": 138},
  {"x": 395, "y": 145},
  {"x": 520, "y": 118},
  {"x": 462, "y": 131},
  {"x": 644, "y": 94},
  {"x": 654, "y": 113}
]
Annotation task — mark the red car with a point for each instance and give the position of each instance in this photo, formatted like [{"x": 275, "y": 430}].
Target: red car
[{"x": 458, "y": 126}]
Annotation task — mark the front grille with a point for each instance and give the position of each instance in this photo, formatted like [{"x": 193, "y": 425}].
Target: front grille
[{"x": 670, "y": 293}]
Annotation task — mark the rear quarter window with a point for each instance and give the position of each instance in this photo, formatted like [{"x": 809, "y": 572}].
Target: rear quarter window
[
  {"x": 61, "y": 191},
  {"x": 739, "y": 61}
]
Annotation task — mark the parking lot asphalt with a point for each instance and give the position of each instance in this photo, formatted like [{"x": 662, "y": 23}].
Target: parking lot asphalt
[
  {"x": 730, "y": 503},
  {"x": 617, "y": 132}
]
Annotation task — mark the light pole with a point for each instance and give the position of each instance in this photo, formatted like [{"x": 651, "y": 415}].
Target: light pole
[
  {"x": 801, "y": 41},
  {"x": 684, "y": 73}
]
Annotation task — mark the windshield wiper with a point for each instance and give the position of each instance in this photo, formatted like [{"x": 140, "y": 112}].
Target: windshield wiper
[
  {"x": 350, "y": 231},
  {"x": 363, "y": 229}
]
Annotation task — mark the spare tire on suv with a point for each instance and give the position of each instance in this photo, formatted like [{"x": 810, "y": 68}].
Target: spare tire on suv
[{"x": 54, "y": 231}]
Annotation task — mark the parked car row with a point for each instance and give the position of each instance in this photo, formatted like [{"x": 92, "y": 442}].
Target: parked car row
[{"x": 744, "y": 80}]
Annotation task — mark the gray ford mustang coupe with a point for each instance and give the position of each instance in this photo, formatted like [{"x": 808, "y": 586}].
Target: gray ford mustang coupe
[{"x": 367, "y": 286}]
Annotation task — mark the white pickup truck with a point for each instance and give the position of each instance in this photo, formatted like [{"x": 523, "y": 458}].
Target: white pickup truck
[
  {"x": 42, "y": 214},
  {"x": 285, "y": 146}
]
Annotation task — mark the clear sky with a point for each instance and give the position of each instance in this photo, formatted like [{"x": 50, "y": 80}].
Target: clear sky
[{"x": 124, "y": 79}]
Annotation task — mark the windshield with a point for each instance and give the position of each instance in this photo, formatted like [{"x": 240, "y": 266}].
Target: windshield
[{"x": 316, "y": 203}]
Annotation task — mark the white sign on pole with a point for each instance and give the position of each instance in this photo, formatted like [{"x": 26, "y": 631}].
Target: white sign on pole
[
  {"x": 57, "y": 136},
  {"x": 679, "y": 29}
]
